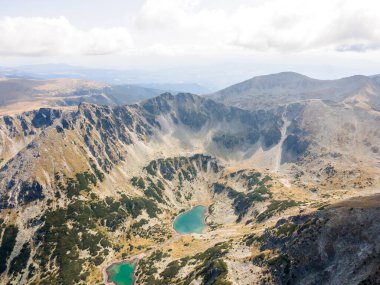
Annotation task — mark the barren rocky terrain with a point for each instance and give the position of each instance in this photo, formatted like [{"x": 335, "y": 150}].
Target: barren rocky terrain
[{"x": 290, "y": 189}]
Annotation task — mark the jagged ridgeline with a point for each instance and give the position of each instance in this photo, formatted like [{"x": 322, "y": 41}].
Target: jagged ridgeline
[
  {"x": 81, "y": 194},
  {"x": 80, "y": 190},
  {"x": 37, "y": 145}
]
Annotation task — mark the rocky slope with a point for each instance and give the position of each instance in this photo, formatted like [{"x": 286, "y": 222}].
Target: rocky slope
[
  {"x": 81, "y": 189},
  {"x": 288, "y": 87},
  {"x": 339, "y": 244},
  {"x": 335, "y": 120},
  {"x": 107, "y": 136}
]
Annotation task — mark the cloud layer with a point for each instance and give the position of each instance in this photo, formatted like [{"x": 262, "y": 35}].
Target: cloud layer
[
  {"x": 271, "y": 25},
  {"x": 181, "y": 27},
  {"x": 35, "y": 36}
]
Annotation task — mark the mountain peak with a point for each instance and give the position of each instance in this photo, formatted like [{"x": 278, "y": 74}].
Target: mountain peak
[
  {"x": 284, "y": 74},
  {"x": 268, "y": 91},
  {"x": 272, "y": 80}
]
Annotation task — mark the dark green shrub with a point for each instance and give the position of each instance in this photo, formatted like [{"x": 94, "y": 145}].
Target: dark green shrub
[{"x": 7, "y": 244}]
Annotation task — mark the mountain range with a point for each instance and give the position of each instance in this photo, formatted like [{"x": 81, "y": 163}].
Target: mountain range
[
  {"x": 151, "y": 79},
  {"x": 289, "y": 87},
  {"x": 287, "y": 166}
]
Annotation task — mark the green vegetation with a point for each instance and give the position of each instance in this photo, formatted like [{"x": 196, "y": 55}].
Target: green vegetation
[
  {"x": 187, "y": 175},
  {"x": 109, "y": 213},
  {"x": 7, "y": 244},
  {"x": 252, "y": 180},
  {"x": 160, "y": 185},
  {"x": 218, "y": 250},
  {"x": 183, "y": 167},
  {"x": 211, "y": 266},
  {"x": 139, "y": 224},
  {"x": 97, "y": 172},
  {"x": 286, "y": 229},
  {"x": 138, "y": 182},
  {"x": 215, "y": 273},
  {"x": 19, "y": 263},
  {"x": 154, "y": 191},
  {"x": 250, "y": 239},
  {"x": 148, "y": 269},
  {"x": 243, "y": 201},
  {"x": 276, "y": 206},
  {"x": 152, "y": 168},
  {"x": 158, "y": 255},
  {"x": 135, "y": 205},
  {"x": 167, "y": 167},
  {"x": 81, "y": 183},
  {"x": 62, "y": 244},
  {"x": 170, "y": 271},
  {"x": 81, "y": 226}
]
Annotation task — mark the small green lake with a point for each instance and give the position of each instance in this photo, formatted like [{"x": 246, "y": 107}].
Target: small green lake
[
  {"x": 192, "y": 221},
  {"x": 122, "y": 273}
]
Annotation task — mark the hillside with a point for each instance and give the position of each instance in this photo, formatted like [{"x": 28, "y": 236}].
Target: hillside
[
  {"x": 288, "y": 87},
  {"x": 81, "y": 189},
  {"x": 18, "y": 95}
]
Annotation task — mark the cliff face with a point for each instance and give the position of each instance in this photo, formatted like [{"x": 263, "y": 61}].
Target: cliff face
[
  {"x": 102, "y": 136},
  {"x": 297, "y": 140},
  {"x": 337, "y": 245}
]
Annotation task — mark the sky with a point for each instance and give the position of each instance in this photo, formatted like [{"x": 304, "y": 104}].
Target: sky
[{"x": 216, "y": 40}]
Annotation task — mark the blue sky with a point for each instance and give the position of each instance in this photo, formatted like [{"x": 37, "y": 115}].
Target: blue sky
[{"x": 224, "y": 40}]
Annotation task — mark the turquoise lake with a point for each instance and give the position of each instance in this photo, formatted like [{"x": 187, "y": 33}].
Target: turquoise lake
[
  {"x": 122, "y": 273},
  {"x": 192, "y": 221}
]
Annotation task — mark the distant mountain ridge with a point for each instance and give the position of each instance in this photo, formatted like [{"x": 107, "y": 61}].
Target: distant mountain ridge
[
  {"x": 289, "y": 87},
  {"x": 20, "y": 94},
  {"x": 141, "y": 78}
]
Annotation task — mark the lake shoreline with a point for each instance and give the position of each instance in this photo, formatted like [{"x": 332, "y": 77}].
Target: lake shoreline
[
  {"x": 133, "y": 260},
  {"x": 205, "y": 215}
]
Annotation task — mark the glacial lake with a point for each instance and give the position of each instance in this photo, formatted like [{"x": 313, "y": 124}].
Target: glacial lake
[
  {"x": 122, "y": 273},
  {"x": 192, "y": 221}
]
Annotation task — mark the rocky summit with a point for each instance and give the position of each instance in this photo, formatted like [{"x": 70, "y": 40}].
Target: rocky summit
[{"x": 285, "y": 167}]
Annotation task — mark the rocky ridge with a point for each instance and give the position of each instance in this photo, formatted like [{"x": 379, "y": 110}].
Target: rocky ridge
[{"x": 81, "y": 189}]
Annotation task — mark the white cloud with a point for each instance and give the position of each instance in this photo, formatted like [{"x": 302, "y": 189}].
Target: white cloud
[
  {"x": 203, "y": 28},
  {"x": 271, "y": 25},
  {"x": 35, "y": 36},
  {"x": 355, "y": 27}
]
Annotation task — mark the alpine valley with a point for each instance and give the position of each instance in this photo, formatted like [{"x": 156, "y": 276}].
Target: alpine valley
[{"x": 286, "y": 167}]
